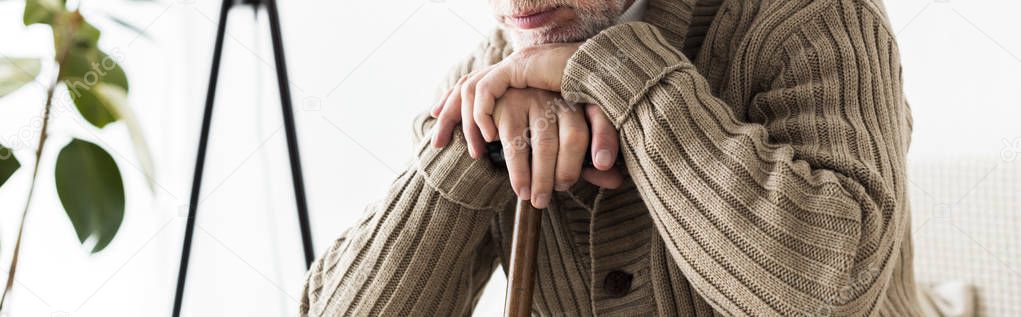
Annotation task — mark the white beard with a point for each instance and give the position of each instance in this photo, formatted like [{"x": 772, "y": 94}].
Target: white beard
[{"x": 592, "y": 17}]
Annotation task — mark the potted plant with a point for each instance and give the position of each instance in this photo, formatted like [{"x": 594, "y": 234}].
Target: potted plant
[{"x": 91, "y": 81}]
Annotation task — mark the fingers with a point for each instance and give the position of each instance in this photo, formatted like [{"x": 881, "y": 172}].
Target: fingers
[
  {"x": 448, "y": 118},
  {"x": 509, "y": 73},
  {"x": 574, "y": 140},
  {"x": 545, "y": 143},
  {"x": 472, "y": 136},
  {"x": 513, "y": 135},
  {"x": 604, "y": 138},
  {"x": 611, "y": 179},
  {"x": 435, "y": 110},
  {"x": 476, "y": 145},
  {"x": 489, "y": 88},
  {"x": 452, "y": 91},
  {"x": 539, "y": 67}
]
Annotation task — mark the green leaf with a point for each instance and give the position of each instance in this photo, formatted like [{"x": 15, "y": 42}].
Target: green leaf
[
  {"x": 114, "y": 74},
  {"x": 8, "y": 164},
  {"x": 85, "y": 67},
  {"x": 90, "y": 188},
  {"x": 16, "y": 72},
  {"x": 42, "y": 11},
  {"x": 85, "y": 62},
  {"x": 91, "y": 107},
  {"x": 116, "y": 100}
]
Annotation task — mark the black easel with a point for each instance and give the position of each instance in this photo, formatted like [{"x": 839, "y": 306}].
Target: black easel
[{"x": 292, "y": 142}]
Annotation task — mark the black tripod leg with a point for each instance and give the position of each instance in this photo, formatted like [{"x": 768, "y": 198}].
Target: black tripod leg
[
  {"x": 292, "y": 136},
  {"x": 200, "y": 161}
]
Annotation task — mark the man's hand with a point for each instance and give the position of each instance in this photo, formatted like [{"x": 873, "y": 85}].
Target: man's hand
[
  {"x": 454, "y": 108},
  {"x": 544, "y": 142},
  {"x": 538, "y": 67},
  {"x": 554, "y": 133}
]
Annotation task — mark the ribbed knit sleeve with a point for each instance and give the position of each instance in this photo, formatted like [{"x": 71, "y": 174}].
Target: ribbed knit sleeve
[
  {"x": 793, "y": 205},
  {"x": 425, "y": 249},
  {"x": 415, "y": 252}
]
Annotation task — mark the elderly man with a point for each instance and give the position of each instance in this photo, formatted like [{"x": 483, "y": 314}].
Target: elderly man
[{"x": 763, "y": 167}]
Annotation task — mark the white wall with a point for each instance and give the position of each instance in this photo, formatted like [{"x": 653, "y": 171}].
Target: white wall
[{"x": 360, "y": 70}]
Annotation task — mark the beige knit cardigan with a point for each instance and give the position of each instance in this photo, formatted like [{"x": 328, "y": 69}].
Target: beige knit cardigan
[{"x": 765, "y": 142}]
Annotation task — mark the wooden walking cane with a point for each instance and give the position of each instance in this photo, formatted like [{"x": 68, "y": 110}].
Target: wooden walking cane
[{"x": 524, "y": 243}]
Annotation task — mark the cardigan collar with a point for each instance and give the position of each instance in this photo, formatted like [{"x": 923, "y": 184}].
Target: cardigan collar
[{"x": 635, "y": 12}]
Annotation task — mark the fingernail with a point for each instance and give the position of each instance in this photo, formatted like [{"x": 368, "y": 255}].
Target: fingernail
[
  {"x": 561, "y": 187},
  {"x": 541, "y": 201},
  {"x": 603, "y": 158},
  {"x": 525, "y": 194}
]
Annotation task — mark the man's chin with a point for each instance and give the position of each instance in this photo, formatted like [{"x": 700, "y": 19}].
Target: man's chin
[{"x": 527, "y": 38}]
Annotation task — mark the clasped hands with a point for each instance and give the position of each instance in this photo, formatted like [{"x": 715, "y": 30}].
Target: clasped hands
[{"x": 545, "y": 139}]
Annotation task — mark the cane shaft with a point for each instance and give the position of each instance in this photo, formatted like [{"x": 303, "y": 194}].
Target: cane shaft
[{"x": 524, "y": 245}]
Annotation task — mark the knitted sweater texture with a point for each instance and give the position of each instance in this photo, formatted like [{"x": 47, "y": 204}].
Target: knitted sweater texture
[{"x": 765, "y": 142}]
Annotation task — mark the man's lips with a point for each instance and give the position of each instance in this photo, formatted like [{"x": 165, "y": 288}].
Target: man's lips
[{"x": 532, "y": 18}]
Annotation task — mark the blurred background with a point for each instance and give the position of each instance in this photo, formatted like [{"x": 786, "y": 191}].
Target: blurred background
[{"x": 360, "y": 71}]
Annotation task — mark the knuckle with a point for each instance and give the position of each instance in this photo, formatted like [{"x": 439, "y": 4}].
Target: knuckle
[
  {"x": 543, "y": 127},
  {"x": 519, "y": 182},
  {"x": 513, "y": 145},
  {"x": 480, "y": 117},
  {"x": 448, "y": 101},
  {"x": 450, "y": 118},
  {"x": 483, "y": 85},
  {"x": 545, "y": 144},
  {"x": 566, "y": 179},
  {"x": 478, "y": 113},
  {"x": 575, "y": 137},
  {"x": 466, "y": 90},
  {"x": 442, "y": 121},
  {"x": 519, "y": 147},
  {"x": 607, "y": 134},
  {"x": 545, "y": 139}
]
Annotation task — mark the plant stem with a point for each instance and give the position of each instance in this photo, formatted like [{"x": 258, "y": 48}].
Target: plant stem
[
  {"x": 31, "y": 190},
  {"x": 60, "y": 57}
]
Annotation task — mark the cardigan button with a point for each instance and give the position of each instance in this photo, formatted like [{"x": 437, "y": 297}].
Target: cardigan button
[{"x": 617, "y": 283}]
